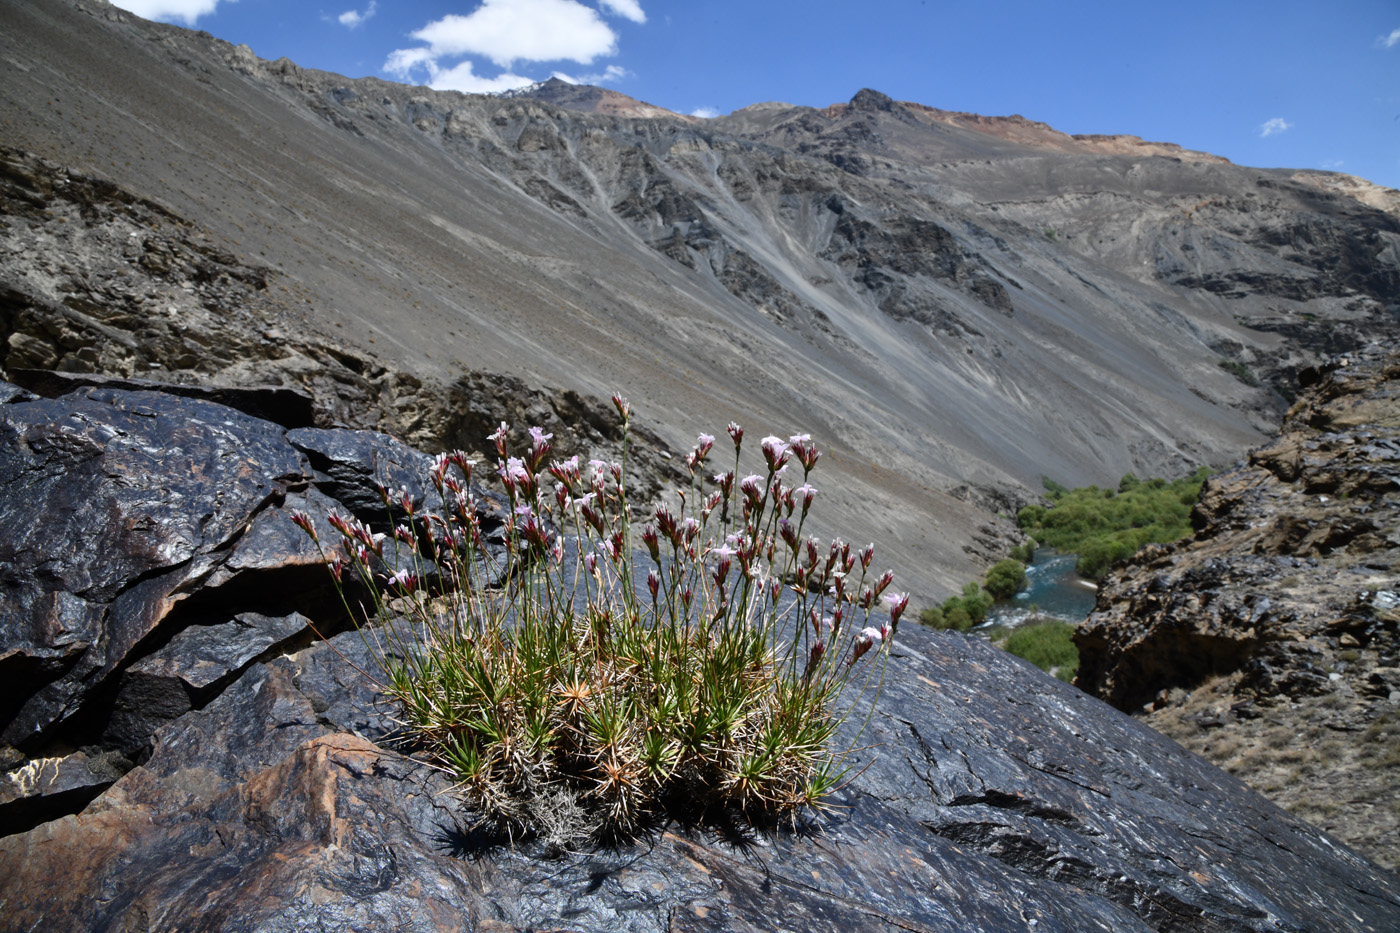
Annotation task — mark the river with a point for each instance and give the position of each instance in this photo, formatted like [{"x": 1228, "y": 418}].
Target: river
[{"x": 1053, "y": 588}]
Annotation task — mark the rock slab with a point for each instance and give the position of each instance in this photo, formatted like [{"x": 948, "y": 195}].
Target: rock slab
[{"x": 987, "y": 796}]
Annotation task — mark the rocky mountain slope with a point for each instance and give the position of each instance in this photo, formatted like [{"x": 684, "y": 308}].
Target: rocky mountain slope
[
  {"x": 180, "y": 752},
  {"x": 1270, "y": 641},
  {"x": 954, "y": 304}
]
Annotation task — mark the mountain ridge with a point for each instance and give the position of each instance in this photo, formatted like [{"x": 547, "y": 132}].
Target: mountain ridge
[{"x": 955, "y": 314}]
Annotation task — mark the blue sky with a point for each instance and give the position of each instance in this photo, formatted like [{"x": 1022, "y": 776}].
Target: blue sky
[{"x": 1291, "y": 84}]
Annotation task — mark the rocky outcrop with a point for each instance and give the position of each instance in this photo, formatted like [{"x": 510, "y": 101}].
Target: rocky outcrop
[
  {"x": 1270, "y": 641},
  {"x": 201, "y": 762},
  {"x": 101, "y": 288}
]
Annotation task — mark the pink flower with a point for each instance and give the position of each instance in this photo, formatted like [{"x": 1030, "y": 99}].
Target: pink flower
[
  {"x": 565, "y": 471},
  {"x": 752, "y": 486},
  {"x": 539, "y": 447},
  {"x": 405, "y": 580},
  {"x": 722, "y": 565},
  {"x": 885, "y": 580},
  {"x": 898, "y": 602},
  {"x": 788, "y": 531},
  {"x": 805, "y": 451},
  {"x": 624, "y": 408},
  {"x": 499, "y": 437},
  {"x": 775, "y": 451},
  {"x": 806, "y": 492},
  {"x": 652, "y": 541},
  {"x": 867, "y": 639}
]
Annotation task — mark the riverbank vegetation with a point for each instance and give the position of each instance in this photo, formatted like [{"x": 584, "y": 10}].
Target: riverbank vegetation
[
  {"x": 1106, "y": 525},
  {"x": 1046, "y": 643},
  {"x": 1102, "y": 526}
]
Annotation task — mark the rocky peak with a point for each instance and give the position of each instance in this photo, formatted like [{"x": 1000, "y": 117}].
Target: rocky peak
[
  {"x": 871, "y": 101},
  {"x": 586, "y": 98}
]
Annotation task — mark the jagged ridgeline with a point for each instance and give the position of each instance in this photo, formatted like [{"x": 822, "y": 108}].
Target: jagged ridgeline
[{"x": 955, "y": 305}]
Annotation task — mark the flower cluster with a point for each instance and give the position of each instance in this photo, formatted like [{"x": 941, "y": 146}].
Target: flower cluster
[{"x": 721, "y": 656}]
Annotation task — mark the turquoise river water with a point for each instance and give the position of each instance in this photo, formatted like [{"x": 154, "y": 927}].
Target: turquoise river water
[{"x": 1053, "y": 588}]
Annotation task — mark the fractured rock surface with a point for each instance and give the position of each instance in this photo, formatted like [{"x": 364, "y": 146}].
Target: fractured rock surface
[{"x": 989, "y": 796}]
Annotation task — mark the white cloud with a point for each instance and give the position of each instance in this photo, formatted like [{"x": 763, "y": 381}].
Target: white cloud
[
  {"x": 1272, "y": 127},
  {"x": 1390, "y": 41},
  {"x": 631, "y": 9},
  {"x": 461, "y": 77},
  {"x": 610, "y": 73},
  {"x": 507, "y": 31},
  {"x": 1332, "y": 164},
  {"x": 353, "y": 18},
  {"x": 186, "y": 10},
  {"x": 510, "y": 31},
  {"x": 704, "y": 113}
]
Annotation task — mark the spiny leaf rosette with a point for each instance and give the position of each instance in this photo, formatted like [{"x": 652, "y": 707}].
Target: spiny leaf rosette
[{"x": 713, "y": 665}]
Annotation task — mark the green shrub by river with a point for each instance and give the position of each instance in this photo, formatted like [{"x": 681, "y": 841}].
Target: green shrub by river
[{"x": 1106, "y": 525}]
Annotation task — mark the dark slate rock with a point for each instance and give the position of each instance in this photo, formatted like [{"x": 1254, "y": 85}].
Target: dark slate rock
[
  {"x": 994, "y": 798},
  {"x": 47, "y": 788},
  {"x": 984, "y": 794},
  {"x": 190, "y": 669},
  {"x": 114, "y": 502},
  {"x": 13, "y": 393},
  {"x": 288, "y": 407},
  {"x": 351, "y": 465},
  {"x": 201, "y": 655}
]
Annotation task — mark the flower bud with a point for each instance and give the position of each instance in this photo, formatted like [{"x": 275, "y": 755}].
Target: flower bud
[
  {"x": 624, "y": 408},
  {"x": 737, "y": 433},
  {"x": 303, "y": 521},
  {"x": 652, "y": 541}
]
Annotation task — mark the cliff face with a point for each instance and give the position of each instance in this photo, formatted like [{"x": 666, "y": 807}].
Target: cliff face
[
  {"x": 180, "y": 752},
  {"x": 954, "y": 305},
  {"x": 1270, "y": 641}
]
